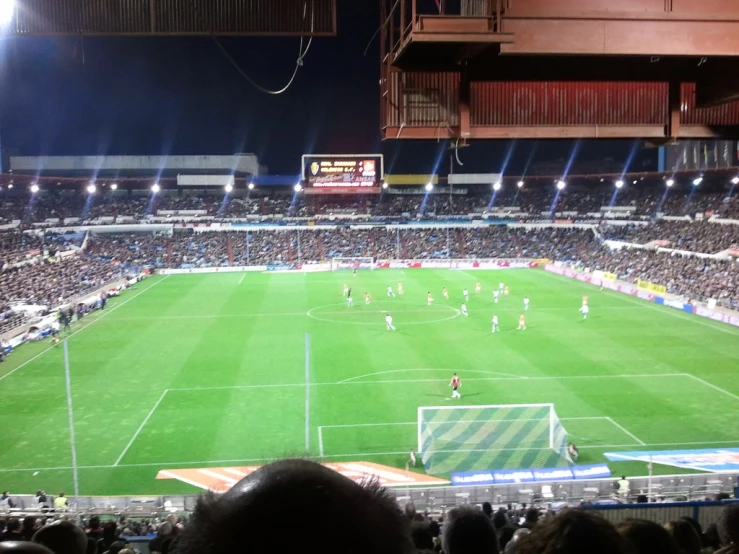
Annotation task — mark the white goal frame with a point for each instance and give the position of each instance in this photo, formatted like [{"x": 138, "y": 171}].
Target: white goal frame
[
  {"x": 552, "y": 414},
  {"x": 336, "y": 262}
]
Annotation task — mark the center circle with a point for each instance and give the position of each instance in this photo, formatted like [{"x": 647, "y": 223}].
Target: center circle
[{"x": 404, "y": 313}]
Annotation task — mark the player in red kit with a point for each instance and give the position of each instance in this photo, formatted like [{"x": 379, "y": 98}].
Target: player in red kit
[{"x": 455, "y": 384}]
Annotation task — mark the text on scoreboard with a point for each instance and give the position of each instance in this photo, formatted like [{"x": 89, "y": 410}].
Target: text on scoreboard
[{"x": 342, "y": 171}]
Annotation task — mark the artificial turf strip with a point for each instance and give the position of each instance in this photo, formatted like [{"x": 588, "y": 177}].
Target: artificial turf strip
[{"x": 209, "y": 370}]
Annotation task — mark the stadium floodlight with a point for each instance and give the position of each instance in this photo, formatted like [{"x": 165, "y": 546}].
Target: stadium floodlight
[
  {"x": 670, "y": 182},
  {"x": 619, "y": 184},
  {"x": 155, "y": 188},
  {"x": 298, "y": 187},
  {"x": 561, "y": 185},
  {"x": 34, "y": 188},
  {"x": 385, "y": 185},
  {"x": 497, "y": 186},
  {"x": 633, "y": 182},
  {"x": 519, "y": 184},
  {"x": 114, "y": 186},
  {"x": 6, "y": 12},
  {"x": 697, "y": 181},
  {"x": 735, "y": 181},
  {"x": 91, "y": 189},
  {"x": 250, "y": 186},
  {"x": 229, "y": 187},
  {"x": 10, "y": 186},
  {"x": 429, "y": 187}
]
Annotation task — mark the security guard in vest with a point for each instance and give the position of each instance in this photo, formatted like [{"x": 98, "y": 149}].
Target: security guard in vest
[
  {"x": 623, "y": 487},
  {"x": 61, "y": 503}
]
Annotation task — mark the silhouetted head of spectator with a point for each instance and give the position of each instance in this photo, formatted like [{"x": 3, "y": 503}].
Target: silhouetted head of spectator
[
  {"x": 29, "y": 523},
  {"x": 468, "y": 530},
  {"x": 499, "y": 520},
  {"x": 410, "y": 510},
  {"x": 23, "y": 547},
  {"x": 574, "y": 532},
  {"x": 421, "y": 535},
  {"x": 487, "y": 509},
  {"x": 94, "y": 523},
  {"x": 532, "y": 517},
  {"x": 711, "y": 538},
  {"x": 62, "y": 537},
  {"x": 109, "y": 528},
  {"x": 505, "y": 535},
  {"x": 685, "y": 536},
  {"x": 728, "y": 525},
  {"x": 647, "y": 537},
  {"x": 13, "y": 525},
  {"x": 117, "y": 547},
  {"x": 338, "y": 515}
]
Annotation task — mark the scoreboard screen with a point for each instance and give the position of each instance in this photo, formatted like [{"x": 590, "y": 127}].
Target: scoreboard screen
[{"x": 343, "y": 174}]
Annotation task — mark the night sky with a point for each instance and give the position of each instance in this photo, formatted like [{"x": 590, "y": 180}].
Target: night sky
[{"x": 142, "y": 96}]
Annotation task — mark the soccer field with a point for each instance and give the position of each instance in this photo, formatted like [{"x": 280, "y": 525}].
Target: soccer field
[{"x": 210, "y": 370}]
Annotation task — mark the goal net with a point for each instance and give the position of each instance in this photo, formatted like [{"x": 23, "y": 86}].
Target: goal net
[
  {"x": 367, "y": 262},
  {"x": 513, "y": 436}
]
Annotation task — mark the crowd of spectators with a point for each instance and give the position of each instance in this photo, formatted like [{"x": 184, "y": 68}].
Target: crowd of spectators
[
  {"x": 339, "y": 515},
  {"x": 536, "y": 200},
  {"x": 693, "y": 236}
]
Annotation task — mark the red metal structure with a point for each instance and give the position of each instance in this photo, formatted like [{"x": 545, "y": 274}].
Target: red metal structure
[
  {"x": 487, "y": 69},
  {"x": 176, "y": 17}
]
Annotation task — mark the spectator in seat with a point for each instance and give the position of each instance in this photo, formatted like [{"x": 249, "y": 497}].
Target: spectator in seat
[
  {"x": 12, "y": 530},
  {"x": 574, "y": 532},
  {"x": 61, "y": 502},
  {"x": 685, "y": 536},
  {"x": 5, "y": 500},
  {"x": 647, "y": 537},
  {"x": 30, "y": 526},
  {"x": 467, "y": 530},
  {"x": 337, "y": 515},
  {"x": 23, "y": 547},
  {"x": 531, "y": 518},
  {"x": 728, "y": 529},
  {"x": 62, "y": 537},
  {"x": 95, "y": 530},
  {"x": 104, "y": 544},
  {"x": 163, "y": 538}
]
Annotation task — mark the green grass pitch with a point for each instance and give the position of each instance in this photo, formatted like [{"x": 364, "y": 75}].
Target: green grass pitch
[{"x": 209, "y": 370}]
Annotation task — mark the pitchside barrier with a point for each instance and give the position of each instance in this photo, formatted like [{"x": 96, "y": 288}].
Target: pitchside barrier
[{"x": 608, "y": 281}]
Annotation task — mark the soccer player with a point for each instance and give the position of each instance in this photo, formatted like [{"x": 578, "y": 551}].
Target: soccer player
[
  {"x": 500, "y": 287},
  {"x": 464, "y": 310},
  {"x": 466, "y": 295},
  {"x": 496, "y": 329},
  {"x": 522, "y": 323},
  {"x": 390, "y": 291},
  {"x": 346, "y": 289},
  {"x": 445, "y": 293},
  {"x": 349, "y": 299},
  {"x": 455, "y": 384},
  {"x": 367, "y": 298},
  {"x": 506, "y": 291},
  {"x": 495, "y": 296},
  {"x": 584, "y": 300},
  {"x": 525, "y": 302},
  {"x": 584, "y": 310},
  {"x": 478, "y": 288},
  {"x": 389, "y": 323},
  {"x": 354, "y": 272},
  {"x": 400, "y": 288},
  {"x": 429, "y": 299}
]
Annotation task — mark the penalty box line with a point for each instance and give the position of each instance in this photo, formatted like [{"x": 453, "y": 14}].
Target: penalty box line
[{"x": 638, "y": 441}]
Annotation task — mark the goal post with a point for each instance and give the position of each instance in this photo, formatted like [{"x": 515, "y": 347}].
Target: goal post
[
  {"x": 505, "y": 436},
  {"x": 359, "y": 262}
]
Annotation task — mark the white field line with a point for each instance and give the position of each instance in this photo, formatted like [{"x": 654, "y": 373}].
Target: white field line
[
  {"x": 459, "y": 421},
  {"x": 511, "y": 375},
  {"x": 320, "y": 441},
  {"x": 625, "y": 430},
  {"x": 354, "y": 455},
  {"x": 714, "y": 387},
  {"x": 114, "y": 308},
  {"x": 136, "y": 434},
  {"x": 242, "y": 279}
]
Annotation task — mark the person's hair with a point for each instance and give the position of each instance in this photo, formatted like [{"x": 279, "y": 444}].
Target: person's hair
[
  {"x": 728, "y": 525},
  {"x": 410, "y": 510},
  {"x": 506, "y": 534},
  {"x": 532, "y": 515},
  {"x": 487, "y": 509},
  {"x": 29, "y": 522},
  {"x": 434, "y": 528},
  {"x": 499, "y": 520},
  {"x": 117, "y": 547},
  {"x": 94, "y": 522},
  {"x": 573, "y": 532},
  {"x": 343, "y": 515},
  {"x": 165, "y": 529},
  {"x": 13, "y": 524},
  {"x": 421, "y": 535},
  {"x": 109, "y": 528},
  {"x": 685, "y": 535},
  {"x": 62, "y": 537},
  {"x": 469, "y": 531},
  {"x": 648, "y": 537},
  {"x": 23, "y": 547},
  {"x": 711, "y": 538}
]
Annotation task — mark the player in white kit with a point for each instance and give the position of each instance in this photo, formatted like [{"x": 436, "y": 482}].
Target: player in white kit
[
  {"x": 349, "y": 299},
  {"x": 464, "y": 310},
  {"x": 400, "y": 288},
  {"x": 500, "y": 287},
  {"x": 495, "y": 325},
  {"x": 495, "y": 296},
  {"x": 390, "y": 291},
  {"x": 389, "y": 323},
  {"x": 584, "y": 309},
  {"x": 466, "y": 295},
  {"x": 525, "y": 302}
]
